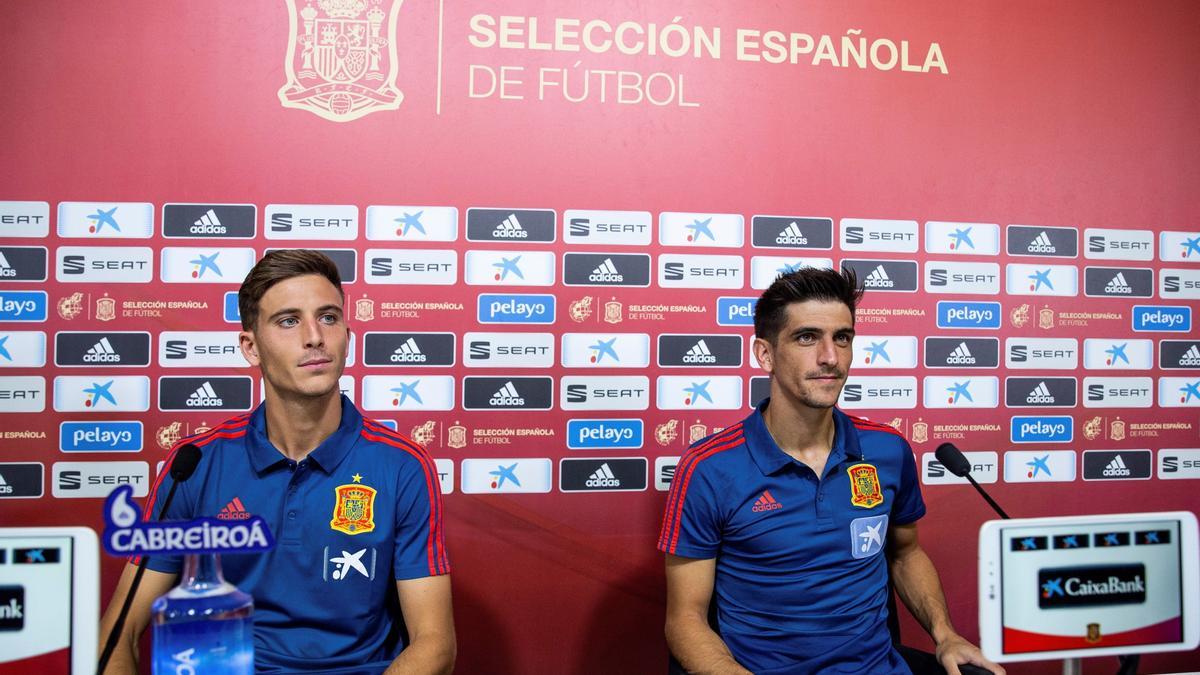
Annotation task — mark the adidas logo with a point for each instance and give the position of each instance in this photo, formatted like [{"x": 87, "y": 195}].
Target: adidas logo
[
  {"x": 1116, "y": 468},
  {"x": 5, "y": 488},
  {"x": 1040, "y": 394},
  {"x": 408, "y": 352},
  {"x": 234, "y": 511},
  {"x": 510, "y": 229},
  {"x": 699, "y": 353},
  {"x": 1041, "y": 244},
  {"x": 208, "y": 224},
  {"x": 878, "y": 278},
  {"x": 606, "y": 271},
  {"x": 1118, "y": 285},
  {"x": 792, "y": 235},
  {"x": 603, "y": 477},
  {"x": 961, "y": 356},
  {"x": 102, "y": 352},
  {"x": 1191, "y": 357},
  {"x": 766, "y": 503},
  {"x": 204, "y": 397},
  {"x": 6, "y": 269},
  {"x": 506, "y": 396}
]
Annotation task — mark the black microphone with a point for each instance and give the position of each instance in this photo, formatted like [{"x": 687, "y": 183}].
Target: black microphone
[
  {"x": 952, "y": 458},
  {"x": 182, "y": 468}
]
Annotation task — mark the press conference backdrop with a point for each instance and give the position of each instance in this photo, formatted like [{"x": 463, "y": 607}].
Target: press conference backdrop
[{"x": 552, "y": 220}]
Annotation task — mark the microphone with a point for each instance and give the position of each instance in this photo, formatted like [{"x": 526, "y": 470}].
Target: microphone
[
  {"x": 952, "y": 458},
  {"x": 183, "y": 466}
]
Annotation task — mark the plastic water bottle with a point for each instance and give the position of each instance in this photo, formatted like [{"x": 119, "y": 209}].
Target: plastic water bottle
[{"x": 203, "y": 626}]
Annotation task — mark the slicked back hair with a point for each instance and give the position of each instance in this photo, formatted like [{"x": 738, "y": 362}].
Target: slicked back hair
[
  {"x": 278, "y": 266},
  {"x": 802, "y": 285}
]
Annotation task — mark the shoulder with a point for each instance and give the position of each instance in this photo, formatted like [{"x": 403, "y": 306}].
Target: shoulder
[
  {"x": 875, "y": 437},
  {"x": 718, "y": 453},
  {"x": 214, "y": 439},
  {"x": 393, "y": 444}
]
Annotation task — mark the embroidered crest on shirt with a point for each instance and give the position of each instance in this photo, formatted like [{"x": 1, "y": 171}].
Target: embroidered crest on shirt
[
  {"x": 354, "y": 510},
  {"x": 864, "y": 486}
]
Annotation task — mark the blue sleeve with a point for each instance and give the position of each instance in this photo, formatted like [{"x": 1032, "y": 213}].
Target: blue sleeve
[
  {"x": 692, "y": 523},
  {"x": 909, "y": 506},
  {"x": 420, "y": 547}
]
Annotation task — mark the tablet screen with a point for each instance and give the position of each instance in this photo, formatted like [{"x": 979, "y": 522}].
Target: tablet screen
[
  {"x": 36, "y": 603},
  {"x": 1091, "y": 585}
]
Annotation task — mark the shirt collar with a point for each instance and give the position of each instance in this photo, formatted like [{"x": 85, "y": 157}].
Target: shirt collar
[
  {"x": 770, "y": 459},
  {"x": 326, "y": 457}
]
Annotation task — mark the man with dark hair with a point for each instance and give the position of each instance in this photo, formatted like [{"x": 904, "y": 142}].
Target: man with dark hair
[
  {"x": 795, "y": 515},
  {"x": 359, "y": 579}
]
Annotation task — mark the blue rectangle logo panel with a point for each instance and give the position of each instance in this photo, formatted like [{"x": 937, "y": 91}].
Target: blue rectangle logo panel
[
  {"x": 1162, "y": 318},
  {"x": 736, "y": 311},
  {"x": 504, "y": 308},
  {"x": 1047, "y": 429},
  {"x": 100, "y": 436},
  {"x": 22, "y": 305},
  {"x": 604, "y": 434},
  {"x": 953, "y": 314},
  {"x": 232, "y": 315}
]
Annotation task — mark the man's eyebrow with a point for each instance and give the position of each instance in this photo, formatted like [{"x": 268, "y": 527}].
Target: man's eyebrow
[{"x": 296, "y": 310}]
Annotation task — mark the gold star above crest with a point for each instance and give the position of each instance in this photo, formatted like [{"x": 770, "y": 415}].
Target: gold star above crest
[{"x": 357, "y": 478}]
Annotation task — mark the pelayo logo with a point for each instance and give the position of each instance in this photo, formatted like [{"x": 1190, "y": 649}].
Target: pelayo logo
[{"x": 125, "y": 533}]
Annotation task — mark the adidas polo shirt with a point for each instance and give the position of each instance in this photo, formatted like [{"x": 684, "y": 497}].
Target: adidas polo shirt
[
  {"x": 801, "y": 579},
  {"x": 361, "y": 511}
]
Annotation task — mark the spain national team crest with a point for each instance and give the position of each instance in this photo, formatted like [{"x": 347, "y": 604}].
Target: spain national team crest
[
  {"x": 354, "y": 510},
  {"x": 106, "y": 309},
  {"x": 341, "y": 58},
  {"x": 864, "y": 486}
]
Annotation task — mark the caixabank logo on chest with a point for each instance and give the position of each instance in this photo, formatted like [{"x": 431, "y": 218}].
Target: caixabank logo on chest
[{"x": 341, "y": 58}]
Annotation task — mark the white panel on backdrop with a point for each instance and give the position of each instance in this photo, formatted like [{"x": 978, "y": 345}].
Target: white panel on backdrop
[
  {"x": 605, "y": 350},
  {"x": 962, "y": 238},
  {"x": 338, "y": 222},
  {"x": 412, "y": 223},
  {"x": 700, "y": 271},
  {"x": 700, "y": 392},
  {"x": 1179, "y": 247},
  {"x": 866, "y": 392},
  {"x": 1118, "y": 354},
  {"x": 764, "y": 270},
  {"x": 868, "y": 234},
  {"x": 105, "y": 220},
  {"x": 24, "y": 219},
  {"x": 725, "y": 230},
  {"x": 603, "y": 228},
  {"x": 1043, "y": 280},
  {"x": 961, "y": 392},
  {"x": 411, "y": 267},
  {"x": 505, "y": 475},
  {"x": 22, "y": 394},
  {"x": 22, "y": 349},
  {"x": 509, "y": 268},
  {"x": 104, "y": 264},
  {"x": 203, "y": 265},
  {"x": 408, "y": 392},
  {"x": 885, "y": 351},
  {"x": 508, "y": 350},
  {"x": 1108, "y": 244},
  {"x": 1039, "y": 466},
  {"x": 101, "y": 393}
]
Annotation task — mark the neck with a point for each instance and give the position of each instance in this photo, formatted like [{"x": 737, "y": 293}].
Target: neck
[
  {"x": 297, "y": 425},
  {"x": 801, "y": 431}
]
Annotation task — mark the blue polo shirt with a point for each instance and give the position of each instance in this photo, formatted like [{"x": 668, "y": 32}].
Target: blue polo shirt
[
  {"x": 801, "y": 579},
  {"x": 360, "y": 512}
]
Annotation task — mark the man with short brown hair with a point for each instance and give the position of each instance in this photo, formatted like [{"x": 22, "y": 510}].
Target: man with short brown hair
[{"x": 359, "y": 578}]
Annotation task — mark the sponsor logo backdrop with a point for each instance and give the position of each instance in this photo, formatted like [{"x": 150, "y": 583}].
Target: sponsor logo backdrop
[{"x": 514, "y": 209}]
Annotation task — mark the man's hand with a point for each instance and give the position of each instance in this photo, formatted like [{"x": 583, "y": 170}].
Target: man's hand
[{"x": 955, "y": 650}]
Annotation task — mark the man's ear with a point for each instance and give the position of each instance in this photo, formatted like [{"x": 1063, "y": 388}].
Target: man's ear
[
  {"x": 249, "y": 347},
  {"x": 763, "y": 352}
]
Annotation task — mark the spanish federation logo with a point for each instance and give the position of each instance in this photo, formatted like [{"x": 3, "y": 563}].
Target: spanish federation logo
[
  {"x": 354, "y": 510},
  {"x": 341, "y": 60},
  {"x": 864, "y": 486}
]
